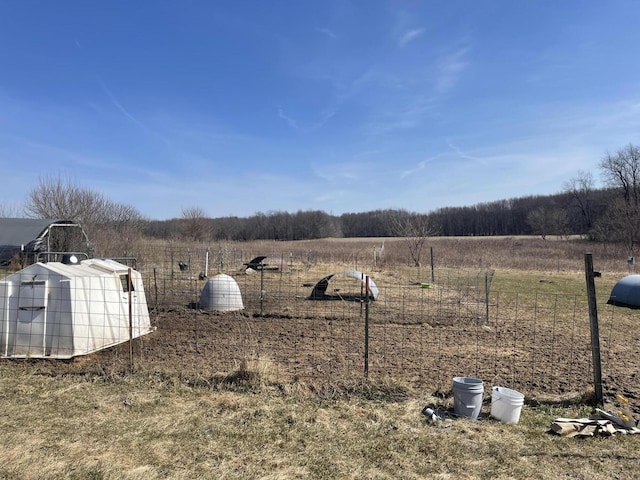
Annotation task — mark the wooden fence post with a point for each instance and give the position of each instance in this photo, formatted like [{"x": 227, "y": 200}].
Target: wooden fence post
[{"x": 593, "y": 320}]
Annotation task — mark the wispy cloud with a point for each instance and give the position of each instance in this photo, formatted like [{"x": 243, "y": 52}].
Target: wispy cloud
[
  {"x": 326, "y": 32},
  {"x": 324, "y": 116},
  {"x": 422, "y": 165},
  {"x": 410, "y": 36},
  {"x": 339, "y": 173},
  {"x": 463, "y": 154},
  {"x": 449, "y": 68},
  {"x": 393, "y": 117},
  {"x": 116, "y": 103},
  {"x": 290, "y": 121}
]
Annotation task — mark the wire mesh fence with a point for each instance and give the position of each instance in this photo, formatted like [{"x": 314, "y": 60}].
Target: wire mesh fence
[{"x": 420, "y": 329}]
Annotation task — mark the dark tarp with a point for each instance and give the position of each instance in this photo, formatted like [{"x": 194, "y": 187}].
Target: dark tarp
[
  {"x": 626, "y": 293},
  {"x": 319, "y": 292},
  {"x": 258, "y": 264}
]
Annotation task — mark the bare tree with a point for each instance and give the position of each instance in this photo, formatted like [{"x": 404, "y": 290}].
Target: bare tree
[
  {"x": 548, "y": 221},
  {"x": 415, "y": 229},
  {"x": 581, "y": 190},
  {"x": 621, "y": 171},
  {"x": 57, "y": 197},
  {"x": 195, "y": 224},
  {"x": 110, "y": 223},
  {"x": 538, "y": 220},
  {"x": 619, "y": 224}
]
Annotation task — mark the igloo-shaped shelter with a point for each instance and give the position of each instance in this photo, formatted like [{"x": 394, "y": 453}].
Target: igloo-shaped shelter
[
  {"x": 221, "y": 293},
  {"x": 626, "y": 293}
]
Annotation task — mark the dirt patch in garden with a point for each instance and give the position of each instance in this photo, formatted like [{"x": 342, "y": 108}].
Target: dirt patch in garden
[{"x": 201, "y": 348}]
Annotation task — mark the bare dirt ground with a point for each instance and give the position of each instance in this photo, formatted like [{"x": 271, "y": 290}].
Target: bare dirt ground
[{"x": 203, "y": 348}]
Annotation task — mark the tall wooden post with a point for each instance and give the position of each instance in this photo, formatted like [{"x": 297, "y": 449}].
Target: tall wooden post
[{"x": 593, "y": 320}]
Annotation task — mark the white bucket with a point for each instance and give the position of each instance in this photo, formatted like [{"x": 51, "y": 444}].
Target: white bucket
[
  {"x": 467, "y": 396},
  {"x": 506, "y": 404}
]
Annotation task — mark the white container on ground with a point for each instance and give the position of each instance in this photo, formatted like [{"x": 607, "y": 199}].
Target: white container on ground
[
  {"x": 506, "y": 404},
  {"x": 467, "y": 396}
]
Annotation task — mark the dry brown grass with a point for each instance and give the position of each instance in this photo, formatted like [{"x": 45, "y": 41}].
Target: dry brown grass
[
  {"x": 518, "y": 253},
  {"x": 137, "y": 428}
]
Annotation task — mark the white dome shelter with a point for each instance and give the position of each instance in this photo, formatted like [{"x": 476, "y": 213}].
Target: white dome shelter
[{"x": 221, "y": 293}]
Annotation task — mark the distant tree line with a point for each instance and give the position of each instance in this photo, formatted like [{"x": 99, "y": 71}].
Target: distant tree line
[
  {"x": 558, "y": 214},
  {"x": 535, "y": 215},
  {"x": 261, "y": 226},
  {"x": 609, "y": 213}
]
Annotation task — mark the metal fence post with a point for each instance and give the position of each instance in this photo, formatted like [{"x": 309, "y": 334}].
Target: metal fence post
[
  {"x": 261, "y": 288},
  {"x": 129, "y": 289},
  {"x": 366, "y": 329},
  {"x": 486, "y": 297},
  {"x": 433, "y": 276}
]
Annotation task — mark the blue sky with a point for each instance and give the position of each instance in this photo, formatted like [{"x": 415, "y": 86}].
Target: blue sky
[{"x": 238, "y": 107}]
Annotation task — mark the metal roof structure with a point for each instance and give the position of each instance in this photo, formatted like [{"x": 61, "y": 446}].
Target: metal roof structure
[
  {"x": 20, "y": 231},
  {"x": 28, "y": 235}
]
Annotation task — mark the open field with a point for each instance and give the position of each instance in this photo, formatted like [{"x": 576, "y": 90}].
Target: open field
[{"x": 278, "y": 390}]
